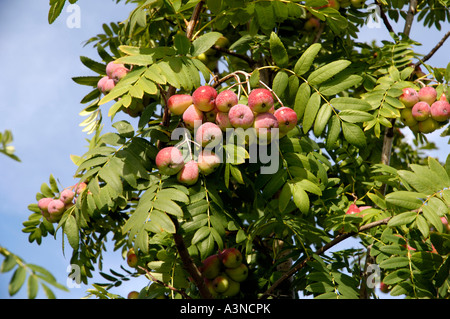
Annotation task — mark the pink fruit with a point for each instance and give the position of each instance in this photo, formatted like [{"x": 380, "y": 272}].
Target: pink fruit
[
  {"x": 225, "y": 100},
  {"x": 223, "y": 121},
  {"x": 43, "y": 203},
  {"x": 208, "y": 162},
  {"x": 105, "y": 84},
  {"x": 440, "y": 111},
  {"x": 188, "y": 175},
  {"x": 193, "y": 117},
  {"x": 287, "y": 119},
  {"x": 443, "y": 98},
  {"x": 111, "y": 67},
  {"x": 178, "y": 103},
  {"x": 409, "y": 97},
  {"x": 353, "y": 209},
  {"x": 421, "y": 111},
  {"x": 119, "y": 74},
  {"x": 80, "y": 187},
  {"x": 241, "y": 115},
  {"x": 55, "y": 209},
  {"x": 264, "y": 124},
  {"x": 67, "y": 196},
  {"x": 231, "y": 257},
  {"x": 169, "y": 160},
  {"x": 260, "y": 100},
  {"x": 427, "y": 126},
  {"x": 204, "y": 98},
  {"x": 428, "y": 94},
  {"x": 208, "y": 135}
]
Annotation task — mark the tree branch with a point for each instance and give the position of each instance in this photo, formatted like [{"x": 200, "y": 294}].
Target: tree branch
[
  {"x": 384, "y": 17},
  {"x": 433, "y": 51},
  {"x": 339, "y": 238}
]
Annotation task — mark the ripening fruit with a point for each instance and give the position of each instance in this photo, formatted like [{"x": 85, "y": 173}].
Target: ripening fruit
[
  {"x": 210, "y": 267},
  {"x": 208, "y": 162},
  {"x": 260, "y": 100},
  {"x": 208, "y": 135},
  {"x": 204, "y": 98},
  {"x": 169, "y": 160},
  {"x": 225, "y": 100},
  {"x": 241, "y": 115},
  {"x": 440, "y": 111},
  {"x": 105, "y": 84},
  {"x": 312, "y": 24},
  {"x": 406, "y": 117},
  {"x": 178, "y": 103},
  {"x": 67, "y": 196},
  {"x": 193, "y": 117},
  {"x": 239, "y": 274},
  {"x": 428, "y": 94},
  {"x": 287, "y": 119},
  {"x": 132, "y": 260},
  {"x": 427, "y": 126},
  {"x": 234, "y": 288},
  {"x": 230, "y": 257},
  {"x": 223, "y": 121},
  {"x": 112, "y": 67},
  {"x": 188, "y": 175},
  {"x": 421, "y": 111},
  {"x": 221, "y": 283},
  {"x": 133, "y": 295},
  {"x": 409, "y": 97},
  {"x": 55, "y": 209},
  {"x": 353, "y": 209},
  {"x": 264, "y": 124}
]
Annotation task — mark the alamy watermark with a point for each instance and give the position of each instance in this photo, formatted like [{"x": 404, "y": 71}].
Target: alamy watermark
[
  {"x": 373, "y": 20},
  {"x": 74, "y": 277},
  {"x": 73, "y": 21}
]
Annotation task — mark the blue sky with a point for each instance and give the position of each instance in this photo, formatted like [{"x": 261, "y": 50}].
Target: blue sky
[{"x": 40, "y": 104}]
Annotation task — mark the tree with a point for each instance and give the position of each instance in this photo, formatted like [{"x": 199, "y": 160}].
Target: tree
[{"x": 344, "y": 171}]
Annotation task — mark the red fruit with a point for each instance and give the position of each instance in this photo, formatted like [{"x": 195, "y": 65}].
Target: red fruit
[
  {"x": 353, "y": 209},
  {"x": 409, "y": 97},
  {"x": 208, "y": 135},
  {"x": 111, "y": 67},
  {"x": 223, "y": 121},
  {"x": 204, "y": 98},
  {"x": 440, "y": 111},
  {"x": 188, "y": 175},
  {"x": 287, "y": 119},
  {"x": 193, "y": 117},
  {"x": 105, "y": 84},
  {"x": 260, "y": 100},
  {"x": 211, "y": 267},
  {"x": 67, "y": 196},
  {"x": 43, "y": 203},
  {"x": 169, "y": 160},
  {"x": 208, "y": 162},
  {"x": 225, "y": 100},
  {"x": 241, "y": 115},
  {"x": 421, "y": 111},
  {"x": 264, "y": 124},
  {"x": 178, "y": 103},
  {"x": 428, "y": 94},
  {"x": 231, "y": 257}
]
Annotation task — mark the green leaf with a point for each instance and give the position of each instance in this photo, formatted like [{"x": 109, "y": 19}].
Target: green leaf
[
  {"x": 306, "y": 59},
  {"x": 71, "y": 231},
  {"x": 278, "y": 51},
  {"x": 8, "y": 263},
  {"x": 339, "y": 84},
  {"x": 394, "y": 262},
  {"x": 354, "y": 134},
  {"x": 402, "y": 219},
  {"x": 56, "y": 8},
  {"x": 168, "y": 206},
  {"x": 32, "y": 286},
  {"x": 17, "y": 281},
  {"x": 95, "y": 66},
  {"x": 200, "y": 234},
  {"x": 311, "y": 109},
  {"x": 280, "y": 83},
  {"x": 163, "y": 221},
  {"x": 354, "y": 116},
  {"x": 204, "y": 42},
  {"x": 334, "y": 129},
  {"x": 182, "y": 43},
  {"x": 301, "y": 199},
  {"x": 124, "y": 128},
  {"x": 214, "y": 5},
  {"x": 323, "y": 115},
  {"x": 430, "y": 215},
  {"x": 327, "y": 71},
  {"x": 405, "y": 199},
  {"x": 285, "y": 197},
  {"x": 350, "y": 103},
  {"x": 301, "y": 99}
]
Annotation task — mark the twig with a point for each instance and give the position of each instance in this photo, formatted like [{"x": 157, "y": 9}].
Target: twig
[
  {"x": 384, "y": 17},
  {"x": 433, "y": 51},
  {"x": 181, "y": 292},
  {"x": 320, "y": 251}
]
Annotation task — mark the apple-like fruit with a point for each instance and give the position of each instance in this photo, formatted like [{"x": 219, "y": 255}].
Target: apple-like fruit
[
  {"x": 55, "y": 209},
  {"x": 230, "y": 257},
  {"x": 264, "y": 124},
  {"x": 208, "y": 135},
  {"x": 409, "y": 97},
  {"x": 210, "y": 286},
  {"x": 43, "y": 203},
  {"x": 132, "y": 260},
  {"x": 225, "y": 100},
  {"x": 221, "y": 283},
  {"x": 111, "y": 67},
  {"x": 208, "y": 162},
  {"x": 204, "y": 98},
  {"x": 353, "y": 209},
  {"x": 421, "y": 111},
  {"x": 234, "y": 288},
  {"x": 239, "y": 274},
  {"x": 428, "y": 94},
  {"x": 384, "y": 288},
  {"x": 260, "y": 100},
  {"x": 80, "y": 187},
  {"x": 67, "y": 196},
  {"x": 241, "y": 115},
  {"x": 169, "y": 160},
  {"x": 223, "y": 121},
  {"x": 312, "y": 24},
  {"x": 211, "y": 267},
  {"x": 357, "y": 3},
  {"x": 210, "y": 116},
  {"x": 443, "y": 98},
  {"x": 440, "y": 111},
  {"x": 427, "y": 126},
  {"x": 193, "y": 117},
  {"x": 287, "y": 119},
  {"x": 106, "y": 84},
  {"x": 178, "y": 103},
  {"x": 119, "y": 73},
  {"x": 133, "y": 295},
  {"x": 407, "y": 118},
  {"x": 188, "y": 175}
]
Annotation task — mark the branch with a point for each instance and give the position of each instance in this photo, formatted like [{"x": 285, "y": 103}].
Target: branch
[
  {"x": 384, "y": 17},
  {"x": 412, "y": 10},
  {"x": 320, "y": 251},
  {"x": 433, "y": 51}
]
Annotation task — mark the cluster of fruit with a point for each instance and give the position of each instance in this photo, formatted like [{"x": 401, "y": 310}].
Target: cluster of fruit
[
  {"x": 423, "y": 111},
  {"x": 209, "y": 114},
  {"x": 223, "y": 272},
  {"x": 53, "y": 208},
  {"x": 114, "y": 73}
]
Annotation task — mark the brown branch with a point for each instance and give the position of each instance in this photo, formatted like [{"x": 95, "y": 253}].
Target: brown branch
[
  {"x": 412, "y": 10},
  {"x": 433, "y": 51},
  {"x": 339, "y": 238},
  {"x": 384, "y": 17}
]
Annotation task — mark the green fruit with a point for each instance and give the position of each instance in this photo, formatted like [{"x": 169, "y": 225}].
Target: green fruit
[
  {"x": 221, "y": 283},
  {"x": 238, "y": 274},
  {"x": 233, "y": 289}
]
